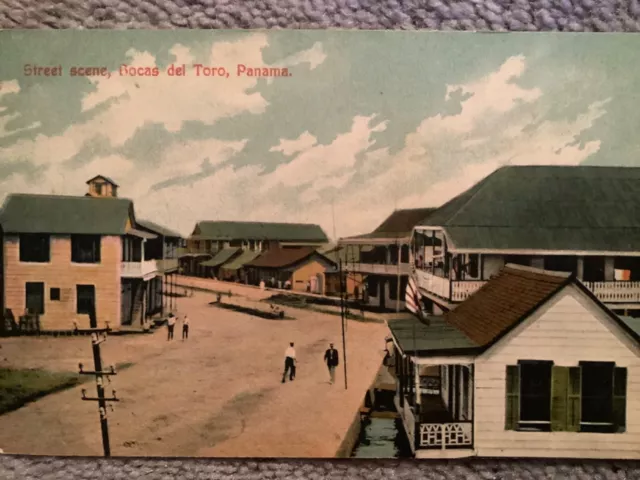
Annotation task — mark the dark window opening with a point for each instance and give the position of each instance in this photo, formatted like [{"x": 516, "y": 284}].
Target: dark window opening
[
  {"x": 85, "y": 248},
  {"x": 561, "y": 263},
  {"x": 54, "y": 294},
  {"x": 518, "y": 260},
  {"x": 393, "y": 288},
  {"x": 473, "y": 265},
  {"x": 597, "y": 392},
  {"x": 34, "y": 298},
  {"x": 593, "y": 269},
  {"x": 86, "y": 299},
  {"x": 34, "y": 247},
  {"x": 404, "y": 254},
  {"x": 535, "y": 395},
  {"x": 372, "y": 287}
]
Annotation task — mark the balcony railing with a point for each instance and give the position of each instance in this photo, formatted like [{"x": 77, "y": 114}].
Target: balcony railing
[
  {"x": 139, "y": 269},
  {"x": 615, "y": 292},
  {"x": 378, "y": 268},
  {"x": 445, "y": 435},
  {"x": 460, "y": 290}
]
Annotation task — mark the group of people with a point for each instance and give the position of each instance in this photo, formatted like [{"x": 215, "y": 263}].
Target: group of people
[
  {"x": 171, "y": 323},
  {"x": 330, "y": 358}
]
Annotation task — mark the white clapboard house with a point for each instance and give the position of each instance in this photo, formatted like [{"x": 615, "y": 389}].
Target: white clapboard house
[
  {"x": 533, "y": 364},
  {"x": 579, "y": 219}
]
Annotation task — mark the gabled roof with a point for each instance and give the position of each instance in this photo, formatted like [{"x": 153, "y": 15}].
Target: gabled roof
[
  {"x": 502, "y": 302},
  {"x": 220, "y": 257},
  {"x": 292, "y": 232},
  {"x": 58, "y": 214},
  {"x": 497, "y": 308},
  {"x": 245, "y": 257},
  {"x": 285, "y": 257},
  {"x": 159, "y": 229},
  {"x": 558, "y": 208},
  {"x": 106, "y": 179},
  {"x": 397, "y": 225}
]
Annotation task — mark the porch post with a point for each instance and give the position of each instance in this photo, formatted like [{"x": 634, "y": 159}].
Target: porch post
[
  {"x": 580, "y": 268},
  {"x": 398, "y": 280},
  {"x": 417, "y": 384}
]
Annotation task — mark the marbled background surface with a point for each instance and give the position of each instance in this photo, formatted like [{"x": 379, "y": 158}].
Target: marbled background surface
[{"x": 500, "y": 15}]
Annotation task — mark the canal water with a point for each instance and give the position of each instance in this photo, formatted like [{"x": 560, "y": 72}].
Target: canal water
[{"x": 382, "y": 438}]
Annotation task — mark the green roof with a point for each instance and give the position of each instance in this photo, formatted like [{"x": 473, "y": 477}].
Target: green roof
[
  {"x": 546, "y": 208},
  {"x": 57, "y": 214},
  {"x": 220, "y": 257},
  {"x": 238, "y": 262},
  {"x": 435, "y": 338},
  {"x": 632, "y": 323},
  {"x": 159, "y": 229},
  {"x": 292, "y": 232}
]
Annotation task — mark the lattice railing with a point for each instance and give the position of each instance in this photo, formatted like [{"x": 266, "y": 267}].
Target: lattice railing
[{"x": 446, "y": 435}]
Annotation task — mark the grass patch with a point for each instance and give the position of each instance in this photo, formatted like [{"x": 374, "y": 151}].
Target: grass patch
[
  {"x": 250, "y": 311},
  {"x": 21, "y": 386},
  {"x": 299, "y": 301}
]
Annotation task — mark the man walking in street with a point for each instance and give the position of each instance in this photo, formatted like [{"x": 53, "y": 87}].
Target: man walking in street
[
  {"x": 185, "y": 328},
  {"x": 171, "y": 323},
  {"x": 289, "y": 363},
  {"x": 331, "y": 358}
]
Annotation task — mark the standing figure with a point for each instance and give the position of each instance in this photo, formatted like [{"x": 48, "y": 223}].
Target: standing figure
[
  {"x": 331, "y": 358},
  {"x": 185, "y": 328},
  {"x": 171, "y": 322},
  {"x": 289, "y": 363}
]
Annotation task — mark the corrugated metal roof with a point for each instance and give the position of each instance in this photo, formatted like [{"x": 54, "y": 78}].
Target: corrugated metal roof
[
  {"x": 632, "y": 323},
  {"x": 159, "y": 229},
  {"x": 546, "y": 208},
  {"x": 429, "y": 339},
  {"x": 238, "y": 262},
  {"x": 58, "y": 214},
  {"x": 294, "y": 232},
  {"x": 397, "y": 225},
  {"x": 220, "y": 257}
]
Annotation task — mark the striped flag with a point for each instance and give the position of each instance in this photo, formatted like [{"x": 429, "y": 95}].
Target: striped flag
[{"x": 412, "y": 297}]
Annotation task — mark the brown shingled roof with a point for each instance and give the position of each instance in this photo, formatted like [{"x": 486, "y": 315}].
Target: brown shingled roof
[
  {"x": 504, "y": 301},
  {"x": 284, "y": 257}
]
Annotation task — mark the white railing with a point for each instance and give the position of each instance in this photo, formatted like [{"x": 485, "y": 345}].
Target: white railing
[
  {"x": 443, "y": 435},
  {"x": 432, "y": 283},
  {"x": 378, "y": 268},
  {"x": 139, "y": 269},
  {"x": 615, "y": 292},
  {"x": 464, "y": 289}
]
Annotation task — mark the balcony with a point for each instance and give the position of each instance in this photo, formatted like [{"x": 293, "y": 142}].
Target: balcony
[
  {"x": 615, "y": 292},
  {"x": 167, "y": 264},
  {"x": 378, "y": 268},
  {"x": 142, "y": 269},
  {"x": 458, "y": 291}
]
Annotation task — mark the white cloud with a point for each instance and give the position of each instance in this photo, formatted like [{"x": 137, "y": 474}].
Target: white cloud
[
  {"x": 289, "y": 147},
  {"x": 7, "y": 88}
]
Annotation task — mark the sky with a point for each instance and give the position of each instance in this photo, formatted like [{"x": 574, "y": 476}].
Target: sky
[{"x": 366, "y": 122}]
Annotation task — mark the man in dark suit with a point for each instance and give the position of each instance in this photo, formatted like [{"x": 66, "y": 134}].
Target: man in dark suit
[{"x": 331, "y": 358}]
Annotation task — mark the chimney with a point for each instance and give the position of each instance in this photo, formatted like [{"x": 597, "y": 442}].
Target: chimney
[{"x": 101, "y": 186}]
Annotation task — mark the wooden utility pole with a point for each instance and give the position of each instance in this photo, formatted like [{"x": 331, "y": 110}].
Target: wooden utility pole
[
  {"x": 98, "y": 336},
  {"x": 343, "y": 319}
]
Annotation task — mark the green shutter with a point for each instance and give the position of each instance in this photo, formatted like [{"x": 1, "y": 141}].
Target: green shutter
[
  {"x": 512, "y": 416},
  {"x": 620, "y": 398},
  {"x": 559, "y": 396},
  {"x": 574, "y": 399}
]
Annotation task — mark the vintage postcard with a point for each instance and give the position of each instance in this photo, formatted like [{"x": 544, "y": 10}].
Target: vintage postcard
[{"x": 319, "y": 244}]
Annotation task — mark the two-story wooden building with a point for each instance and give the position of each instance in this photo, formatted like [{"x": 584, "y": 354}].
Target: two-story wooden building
[
  {"x": 382, "y": 258},
  {"x": 212, "y": 244},
  {"x": 584, "y": 220},
  {"x": 66, "y": 255},
  {"x": 530, "y": 365}
]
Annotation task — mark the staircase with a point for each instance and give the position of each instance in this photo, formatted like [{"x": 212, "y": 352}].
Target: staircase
[{"x": 137, "y": 312}]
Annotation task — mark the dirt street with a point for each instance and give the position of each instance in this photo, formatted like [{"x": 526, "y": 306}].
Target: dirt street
[{"x": 217, "y": 394}]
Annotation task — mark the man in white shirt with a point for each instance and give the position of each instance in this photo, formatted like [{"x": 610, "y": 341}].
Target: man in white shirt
[
  {"x": 185, "y": 328},
  {"x": 289, "y": 363}
]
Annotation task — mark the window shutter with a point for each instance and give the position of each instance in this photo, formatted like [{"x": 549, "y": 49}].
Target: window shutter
[
  {"x": 574, "y": 399},
  {"x": 512, "y": 414},
  {"x": 559, "y": 396},
  {"x": 620, "y": 398}
]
